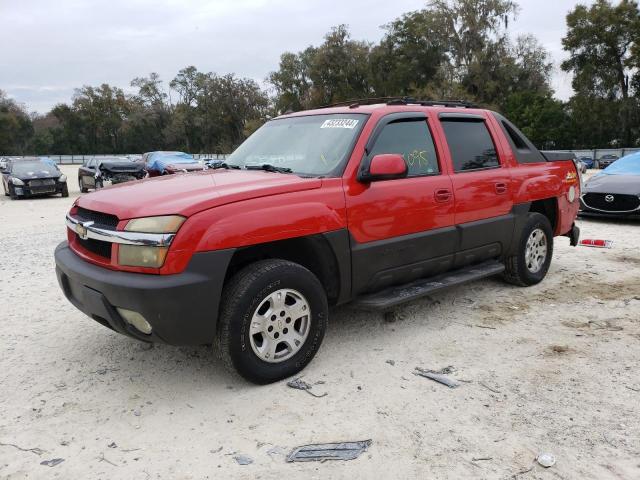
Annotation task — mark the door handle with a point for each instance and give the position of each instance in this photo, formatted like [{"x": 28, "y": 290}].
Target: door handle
[
  {"x": 443, "y": 195},
  {"x": 501, "y": 188}
]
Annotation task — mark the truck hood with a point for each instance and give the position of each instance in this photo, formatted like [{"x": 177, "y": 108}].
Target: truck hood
[{"x": 186, "y": 194}]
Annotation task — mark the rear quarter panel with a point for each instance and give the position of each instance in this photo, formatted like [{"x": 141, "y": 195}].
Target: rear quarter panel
[{"x": 542, "y": 181}]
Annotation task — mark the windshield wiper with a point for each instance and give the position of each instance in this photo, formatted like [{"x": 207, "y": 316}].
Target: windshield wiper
[
  {"x": 217, "y": 165},
  {"x": 267, "y": 167}
]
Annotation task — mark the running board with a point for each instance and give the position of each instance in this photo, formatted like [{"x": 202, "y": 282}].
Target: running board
[{"x": 393, "y": 296}]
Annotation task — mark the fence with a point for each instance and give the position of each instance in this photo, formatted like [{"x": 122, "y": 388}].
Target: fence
[
  {"x": 79, "y": 159},
  {"x": 598, "y": 153}
]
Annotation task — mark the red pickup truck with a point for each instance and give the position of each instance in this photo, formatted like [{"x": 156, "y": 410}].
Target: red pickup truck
[{"x": 372, "y": 203}]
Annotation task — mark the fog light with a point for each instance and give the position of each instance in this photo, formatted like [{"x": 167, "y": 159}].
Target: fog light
[{"x": 135, "y": 320}]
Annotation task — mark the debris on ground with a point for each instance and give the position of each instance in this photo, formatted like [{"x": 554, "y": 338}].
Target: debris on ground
[
  {"x": 112, "y": 445},
  {"x": 439, "y": 376},
  {"x": 53, "y": 462},
  {"x": 321, "y": 452},
  {"x": 243, "y": 459},
  {"x": 559, "y": 348},
  {"x": 494, "y": 390},
  {"x": 36, "y": 450},
  {"x": 391, "y": 362},
  {"x": 546, "y": 460},
  {"x": 300, "y": 384},
  {"x": 587, "y": 242},
  {"x": 277, "y": 451},
  {"x": 102, "y": 458}
]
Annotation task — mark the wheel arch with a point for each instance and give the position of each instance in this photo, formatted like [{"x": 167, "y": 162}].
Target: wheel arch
[
  {"x": 549, "y": 208},
  {"x": 327, "y": 256}
]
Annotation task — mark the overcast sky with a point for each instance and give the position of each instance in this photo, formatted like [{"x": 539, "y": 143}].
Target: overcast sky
[{"x": 48, "y": 48}]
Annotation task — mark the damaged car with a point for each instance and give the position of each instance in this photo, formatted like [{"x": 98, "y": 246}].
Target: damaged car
[
  {"x": 167, "y": 163},
  {"x": 32, "y": 176},
  {"x": 97, "y": 172},
  {"x": 614, "y": 192}
]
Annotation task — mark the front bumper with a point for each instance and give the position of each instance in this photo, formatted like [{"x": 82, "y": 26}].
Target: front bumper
[
  {"x": 27, "y": 191},
  {"x": 181, "y": 308}
]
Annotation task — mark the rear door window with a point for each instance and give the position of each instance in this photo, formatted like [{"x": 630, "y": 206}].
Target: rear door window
[
  {"x": 412, "y": 140},
  {"x": 470, "y": 145}
]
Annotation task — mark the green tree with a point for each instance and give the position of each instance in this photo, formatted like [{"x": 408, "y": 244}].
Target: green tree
[
  {"x": 603, "y": 41},
  {"x": 337, "y": 70},
  {"x": 408, "y": 58},
  {"x": 16, "y": 128},
  {"x": 542, "y": 118}
]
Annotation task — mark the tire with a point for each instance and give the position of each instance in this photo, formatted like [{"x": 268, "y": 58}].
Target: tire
[
  {"x": 12, "y": 193},
  {"x": 526, "y": 270},
  {"x": 250, "y": 299},
  {"x": 65, "y": 191},
  {"x": 83, "y": 189}
]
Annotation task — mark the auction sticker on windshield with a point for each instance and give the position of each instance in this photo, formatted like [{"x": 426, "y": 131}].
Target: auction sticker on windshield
[{"x": 340, "y": 123}]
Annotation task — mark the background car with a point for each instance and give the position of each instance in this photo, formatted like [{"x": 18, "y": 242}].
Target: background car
[
  {"x": 95, "y": 172},
  {"x": 588, "y": 161},
  {"x": 615, "y": 191},
  {"x": 165, "y": 163},
  {"x": 33, "y": 176},
  {"x": 606, "y": 160},
  {"x": 582, "y": 168}
]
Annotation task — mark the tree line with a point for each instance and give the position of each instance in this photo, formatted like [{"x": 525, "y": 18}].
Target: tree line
[{"x": 451, "y": 49}]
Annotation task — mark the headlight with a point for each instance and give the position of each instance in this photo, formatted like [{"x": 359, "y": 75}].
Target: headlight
[
  {"x": 16, "y": 181},
  {"x": 163, "y": 224},
  {"x": 62, "y": 178},
  {"x": 143, "y": 255}
]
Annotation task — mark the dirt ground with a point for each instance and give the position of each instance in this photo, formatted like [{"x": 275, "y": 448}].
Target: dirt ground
[{"x": 551, "y": 368}]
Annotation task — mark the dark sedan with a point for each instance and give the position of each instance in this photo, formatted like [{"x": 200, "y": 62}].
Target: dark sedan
[
  {"x": 606, "y": 160},
  {"x": 615, "y": 191},
  {"x": 96, "y": 172},
  {"x": 32, "y": 176}
]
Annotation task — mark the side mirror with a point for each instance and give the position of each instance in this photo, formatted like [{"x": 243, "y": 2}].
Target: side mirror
[{"x": 388, "y": 166}]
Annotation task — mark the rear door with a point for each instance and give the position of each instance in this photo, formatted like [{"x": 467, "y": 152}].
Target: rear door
[
  {"x": 401, "y": 229},
  {"x": 482, "y": 188}
]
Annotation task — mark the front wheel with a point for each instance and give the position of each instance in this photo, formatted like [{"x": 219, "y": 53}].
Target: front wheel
[
  {"x": 273, "y": 318},
  {"x": 534, "y": 251},
  {"x": 65, "y": 191}
]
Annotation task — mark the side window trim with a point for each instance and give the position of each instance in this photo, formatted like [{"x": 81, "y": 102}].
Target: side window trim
[
  {"x": 377, "y": 130},
  {"x": 408, "y": 117},
  {"x": 470, "y": 118}
]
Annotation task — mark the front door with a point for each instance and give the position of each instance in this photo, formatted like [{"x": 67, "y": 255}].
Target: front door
[{"x": 401, "y": 229}]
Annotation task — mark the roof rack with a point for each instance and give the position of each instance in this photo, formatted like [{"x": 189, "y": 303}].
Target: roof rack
[{"x": 403, "y": 101}]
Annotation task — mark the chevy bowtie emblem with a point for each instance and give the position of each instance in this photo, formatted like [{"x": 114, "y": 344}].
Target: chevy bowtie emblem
[
  {"x": 609, "y": 198},
  {"x": 81, "y": 229}
]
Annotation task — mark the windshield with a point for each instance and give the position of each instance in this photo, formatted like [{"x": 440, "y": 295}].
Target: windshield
[
  {"x": 629, "y": 165},
  {"x": 316, "y": 145},
  {"x": 29, "y": 168}
]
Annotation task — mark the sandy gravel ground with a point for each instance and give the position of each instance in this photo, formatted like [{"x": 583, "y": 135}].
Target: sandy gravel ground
[{"x": 552, "y": 368}]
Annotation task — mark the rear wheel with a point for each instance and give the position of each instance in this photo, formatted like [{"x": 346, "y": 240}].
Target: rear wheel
[
  {"x": 272, "y": 321},
  {"x": 535, "y": 249}
]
